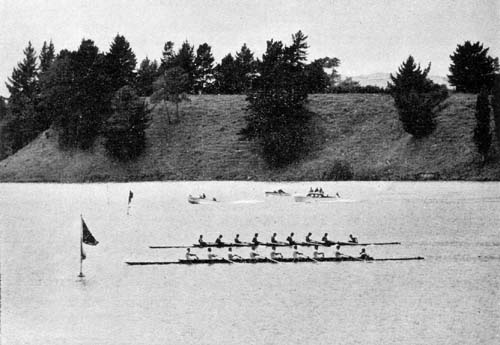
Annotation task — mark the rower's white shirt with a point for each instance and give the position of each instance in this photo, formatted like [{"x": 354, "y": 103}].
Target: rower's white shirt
[
  {"x": 338, "y": 254},
  {"x": 296, "y": 254},
  {"x": 275, "y": 255},
  {"x": 188, "y": 256},
  {"x": 317, "y": 254},
  {"x": 212, "y": 256},
  {"x": 254, "y": 254}
]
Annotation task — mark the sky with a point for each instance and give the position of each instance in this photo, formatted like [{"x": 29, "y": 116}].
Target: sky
[{"x": 368, "y": 36}]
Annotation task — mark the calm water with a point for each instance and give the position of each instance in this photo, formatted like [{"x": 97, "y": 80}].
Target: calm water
[{"x": 452, "y": 297}]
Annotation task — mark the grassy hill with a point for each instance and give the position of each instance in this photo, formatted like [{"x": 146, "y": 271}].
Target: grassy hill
[{"x": 362, "y": 130}]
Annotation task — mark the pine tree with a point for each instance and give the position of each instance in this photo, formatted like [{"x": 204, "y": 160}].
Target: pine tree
[
  {"x": 125, "y": 131},
  {"x": 226, "y": 81},
  {"x": 277, "y": 119},
  {"x": 172, "y": 87},
  {"x": 472, "y": 68},
  {"x": 146, "y": 75},
  {"x": 495, "y": 103},
  {"x": 416, "y": 96},
  {"x": 185, "y": 60},
  {"x": 47, "y": 56},
  {"x": 482, "y": 132},
  {"x": 23, "y": 124},
  {"x": 245, "y": 69},
  {"x": 168, "y": 57},
  {"x": 316, "y": 78},
  {"x": 204, "y": 74},
  {"x": 121, "y": 63}
]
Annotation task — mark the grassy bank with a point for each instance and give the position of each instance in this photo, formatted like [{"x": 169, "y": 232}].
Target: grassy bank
[{"x": 362, "y": 131}]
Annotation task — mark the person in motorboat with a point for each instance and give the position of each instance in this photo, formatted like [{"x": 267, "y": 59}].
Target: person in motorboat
[
  {"x": 316, "y": 190},
  {"x": 190, "y": 255},
  {"x": 201, "y": 242},
  {"x": 253, "y": 253},
  {"x": 232, "y": 256},
  {"x": 212, "y": 256},
  {"x": 364, "y": 256},
  {"x": 311, "y": 190},
  {"x": 203, "y": 196},
  {"x": 325, "y": 239},
  {"x": 237, "y": 239},
  {"x": 296, "y": 254},
  {"x": 219, "y": 241},
  {"x": 317, "y": 254},
  {"x": 321, "y": 191},
  {"x": 290, "y": 239},
  {"x": 255, "y": 240},
  {"x": 353, "y": 239},
  {"x": 275, "y": 254},
  {"x": 337, "y": 195}
]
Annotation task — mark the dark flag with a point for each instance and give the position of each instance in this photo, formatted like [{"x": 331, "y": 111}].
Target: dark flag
[
  {"x": 130, "y": 196},
  {"x": 87, "y": 237}
]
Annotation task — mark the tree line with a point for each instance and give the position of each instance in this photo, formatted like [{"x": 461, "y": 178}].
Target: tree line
[{"x": 86, "y": 93}]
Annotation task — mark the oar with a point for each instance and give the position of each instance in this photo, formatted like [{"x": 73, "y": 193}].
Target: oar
[
  {"x": 230, "y": 261},
  {"x": 316, "y": 261},
  {"x": 272, "y": 260}
]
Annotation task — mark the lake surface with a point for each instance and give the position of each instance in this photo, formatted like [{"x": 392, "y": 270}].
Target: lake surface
[{"x": 451, "y": 297}]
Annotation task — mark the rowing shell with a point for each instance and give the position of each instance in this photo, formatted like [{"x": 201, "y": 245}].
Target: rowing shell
[
  {"x": 261, "y": 261},
  {"x": 280, "y": 244}
]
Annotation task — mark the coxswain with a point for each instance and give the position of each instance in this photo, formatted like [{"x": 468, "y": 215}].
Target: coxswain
[
  {"x": 237, "y": 239},
  {"x": 364, "y": 256},
  {"x": 353, "y": 239},
  {"x": 275, "y": 254},
  {"x": 290, "y": 239},
  {"x": 189, "y": 255},
  {"x": 255, "y": 241},
  {"x": 211, "y": 256},
  {"x": 253, "y": 253},
  {"x": 232, "y": 256},
  {"x": 317, "y": 254},
  {"x": 325, "y": 239},
  {"x": 201, "y": 242},
  {"x": 338, "y": 254},
  {"x": 273, "y": 238},
  {"x": 296, "y": 254},
  {"x": 218, "y": 241}
]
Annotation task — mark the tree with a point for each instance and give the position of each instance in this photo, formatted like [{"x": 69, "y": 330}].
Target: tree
[
  {"x": 204, "y": 74},
  {"x": 47, "y": 56},
  {"x": 185, "y": 60},
  {"x": 482, "y": 132},
  {"x": 23, "y": 124},
  {"x": 495, "y": 103},
  {"x": 226, "y": 76},
  {"x": 171, "y": 86},
  {"x": 472, "y": 68},
  {"x": 125, "y": 131},
  {"x": 316, "y": 78},
  {"x": 244, "y": 64},
  {"x": 146, "y": 75},
  {"x": 168, "y": 57},
  {"x": 120, "y": 63},
  {"x": 416, "y": 96},
  {"x": 277, "y": 119},
  {"x": 3, "y": 108}
]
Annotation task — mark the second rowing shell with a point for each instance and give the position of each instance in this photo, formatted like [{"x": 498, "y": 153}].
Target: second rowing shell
[{"x": 281, "y": 244}]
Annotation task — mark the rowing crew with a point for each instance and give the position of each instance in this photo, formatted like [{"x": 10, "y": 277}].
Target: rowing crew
[
  {"x": 254, "y": 255},
  {"x": 289, "y": 240}
]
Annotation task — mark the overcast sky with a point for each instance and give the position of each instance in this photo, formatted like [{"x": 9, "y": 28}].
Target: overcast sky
[{"x": 368, "y": 36}]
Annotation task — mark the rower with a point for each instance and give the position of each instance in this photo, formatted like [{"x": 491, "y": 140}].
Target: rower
[
  {"x": 321, "y": 191},
  {"x": 218, "y": 241},
  {"x": 338, "y": 254},
  {"x": 308, "y": 238},
  {"x": 211, "y": 256},
  {"x": 325, "y": 239},
  {"x": 275, "y": 254},
  {"x": 201, "y": 242},
  {"x": 353, "y": 239},
  {"x": 232, "y": 256},
  {"x": 290, "y": 239},
  {"x": 237, "y": 239},
  {"x": 317, "y": 254},
  {"x": 253, "y": 253},
  {"x": 364, "y": 256},
  {"x": 255, "y": 241},
  {"x": 189, "y": 255},
  {"x": 296, "y": 254},
  {"x": 273, "y": 238}
]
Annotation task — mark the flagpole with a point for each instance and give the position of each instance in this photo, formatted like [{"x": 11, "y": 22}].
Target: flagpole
[{"x": 81, "y": 247}]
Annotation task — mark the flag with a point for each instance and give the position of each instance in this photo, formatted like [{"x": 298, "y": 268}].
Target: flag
[
  {"x": 87, "y": 236},
  {"x": 130, "y": 196}
]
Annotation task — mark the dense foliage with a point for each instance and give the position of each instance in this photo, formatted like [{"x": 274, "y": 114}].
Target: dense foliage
[
  {"x": 416, "y": 97},
  {"x": 146, "y": 75},
  {"x": 495, "y": 103},
  {"x": 277, "y": 119},
  {"x": 125, "y": 130},
  {"x": 472, "y": 68},
  {"x": 173, "y": 87},
  {"x": 482, "y": 132}
]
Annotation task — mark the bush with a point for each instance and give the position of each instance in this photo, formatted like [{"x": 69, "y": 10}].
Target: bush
[{"x": 339, "y": 170}]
